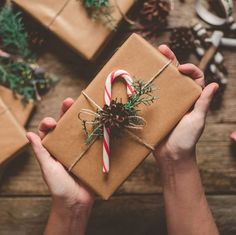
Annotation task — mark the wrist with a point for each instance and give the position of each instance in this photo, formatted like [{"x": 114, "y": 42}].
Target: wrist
[
  {"x": 67, "y": 218},
  {"x": 74, "y": 207},
  {"x": 180, "y": 176},
  {"x": 167, "y": 157}
]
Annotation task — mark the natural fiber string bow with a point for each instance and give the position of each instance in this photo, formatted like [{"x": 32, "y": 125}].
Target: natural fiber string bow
[{"x": 116, "y": 117}]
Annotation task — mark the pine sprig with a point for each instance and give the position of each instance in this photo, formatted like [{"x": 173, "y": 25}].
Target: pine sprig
[
  {"x": 97, "y": 132},
  {"x": 100, "y": 9},
  {"x": 119, "y": 116},
  {"x": 23, "y": 79},
  {"x": 12, "y": 33},
  {"x": 143, "y": 95},
  {"x": 18, "y": 69}
]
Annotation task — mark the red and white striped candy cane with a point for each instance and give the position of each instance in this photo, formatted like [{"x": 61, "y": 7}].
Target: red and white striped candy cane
[{"x": 106, "y": 131}]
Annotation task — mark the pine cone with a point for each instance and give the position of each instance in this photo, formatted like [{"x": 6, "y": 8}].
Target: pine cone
[
  {"x": 115, "y": 116},
  {"x": 153, "y": 14},
  {"x": 218, "y": 96},
  {"x": 182, "y": 42}
]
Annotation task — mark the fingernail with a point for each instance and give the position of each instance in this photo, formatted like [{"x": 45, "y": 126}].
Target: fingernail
[{"x": 28, "y": 136}]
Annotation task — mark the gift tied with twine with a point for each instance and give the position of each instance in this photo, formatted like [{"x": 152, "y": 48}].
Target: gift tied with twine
[
  {"x": 127, "y": 19},
  {"x": 122, "y": 74}
]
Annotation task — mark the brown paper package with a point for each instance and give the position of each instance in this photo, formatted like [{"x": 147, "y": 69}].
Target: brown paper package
[
  {"x": 19, "y": 110},
  {"x": 12, "y": 135},
  {"x": 176, "y": 94},
  {"x": 69, "y": 20}
]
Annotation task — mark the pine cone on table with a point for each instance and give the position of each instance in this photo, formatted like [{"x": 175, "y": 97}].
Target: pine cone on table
[
  {"x": 153, "y": 16},
  {"x": 182, "y": 42}
]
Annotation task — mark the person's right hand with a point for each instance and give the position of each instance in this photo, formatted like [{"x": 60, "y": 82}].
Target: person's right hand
[
  {"x": 233, "y": 136},
  {"x": 182, "y": 140}
]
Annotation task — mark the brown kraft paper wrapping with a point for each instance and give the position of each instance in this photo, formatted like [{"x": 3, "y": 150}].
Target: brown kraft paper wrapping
[
  {"x": 19, "y": 110},
  {"x": 12, "y": 135},
  {"x": 176, "y": 94},
  {"x": 69, "y": 20}
]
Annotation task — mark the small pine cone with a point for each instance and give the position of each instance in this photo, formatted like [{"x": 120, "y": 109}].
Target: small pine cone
[
  {"x": 153, "y": 13},
  {"x": 115, "y": 117},
  {"x": 36, "y": 39},
  {"x": 218, "y": 96},
  {"x": 182, "y": 42}
]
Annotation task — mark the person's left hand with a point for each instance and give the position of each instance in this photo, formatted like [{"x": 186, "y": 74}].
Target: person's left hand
[{"x": 67, "y": 191}]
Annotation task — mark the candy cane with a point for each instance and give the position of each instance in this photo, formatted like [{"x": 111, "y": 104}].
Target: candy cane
[{"x": 106, "y": 131}]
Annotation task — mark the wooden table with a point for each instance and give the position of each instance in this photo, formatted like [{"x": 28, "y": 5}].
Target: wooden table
[{"x": 137, "y": 208}]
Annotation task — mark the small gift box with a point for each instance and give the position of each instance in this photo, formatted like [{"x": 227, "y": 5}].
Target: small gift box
[
  {"x": 144, "y": 126},
  {"x": 71, "y": 21},
  {"x": 21, "y": 111},
  {"x": 12, "y": 135}
]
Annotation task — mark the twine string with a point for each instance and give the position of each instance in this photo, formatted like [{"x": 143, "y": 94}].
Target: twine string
[
  {"x": 4, "y": 111},
  {"x": 131, "y": 22},
  {"x": 58, "y": 13},
  {"x": 126, "y": 18},
  {"x": 134, "y": 136}
]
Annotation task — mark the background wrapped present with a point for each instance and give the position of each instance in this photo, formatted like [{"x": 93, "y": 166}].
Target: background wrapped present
[
  {"x": 176, "y": 94},
  {"x": 20, "y": 110},
  {"x": 12, "y": 135},
  {"x": 70, "y": 20}
]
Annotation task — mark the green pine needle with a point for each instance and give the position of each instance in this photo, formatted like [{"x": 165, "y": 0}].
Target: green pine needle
[
  {"x": 142, "y": 95},
  {"x": 100, "y": 9},
  {"x": 12, "y": 33},
  {"x": 22, "y": 79},
  {"x": 18, "y": 70}
]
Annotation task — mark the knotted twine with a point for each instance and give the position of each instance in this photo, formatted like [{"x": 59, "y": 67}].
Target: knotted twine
[{"x": 90, "y": 112}]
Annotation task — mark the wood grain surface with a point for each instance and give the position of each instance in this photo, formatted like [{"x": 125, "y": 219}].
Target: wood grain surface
[{"x": 137, "y": 207}]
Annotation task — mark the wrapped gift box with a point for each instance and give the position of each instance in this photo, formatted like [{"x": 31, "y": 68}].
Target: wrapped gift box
[
  {"x": 71, "y": 22},
  {"x": 12, "y": 135},
  {"x": 176, "y": 94},
  {"x": 19, "y": 110}
]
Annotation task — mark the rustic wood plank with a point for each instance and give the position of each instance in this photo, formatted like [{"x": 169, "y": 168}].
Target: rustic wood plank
[
  {"x": 216, "y": 158},
  {"x": 138, "y": 215}
]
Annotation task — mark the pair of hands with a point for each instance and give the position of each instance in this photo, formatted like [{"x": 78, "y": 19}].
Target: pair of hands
[{"x": 180, "y": 144}]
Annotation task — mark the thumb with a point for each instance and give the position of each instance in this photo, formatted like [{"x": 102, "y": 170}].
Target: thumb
[
  {"x": 202, "y": 105},
  {"x": 42, "y": 155}
]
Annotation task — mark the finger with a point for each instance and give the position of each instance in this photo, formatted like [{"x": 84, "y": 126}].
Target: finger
[
  {"x": 167, "y": 52},
  {"x": 202, "y": 105},
  {"x": 41, "y": 153},
  {"x": 233, "y": 136},
  {"x": 194, "y": 72},
  {"x": 46, "y": 125},
  {"x": 67, "y": 103}
]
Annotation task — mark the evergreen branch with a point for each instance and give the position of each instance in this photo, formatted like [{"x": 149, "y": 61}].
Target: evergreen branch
[
  {"x": 23, "y": 79},
  {"x": 100, "y": 9},
  {"x": 18, "y": 70},
  {"x": 142, "y": 95},
  {"x": 12, "y": 33},
  {"x": 96, "y": 132}
]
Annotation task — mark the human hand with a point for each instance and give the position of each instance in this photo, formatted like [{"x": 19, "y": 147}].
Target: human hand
[
  {"x": 181, "y": 142},
  {"x": 67, "y": 191},
  {"x": 233, "y": 136}
]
